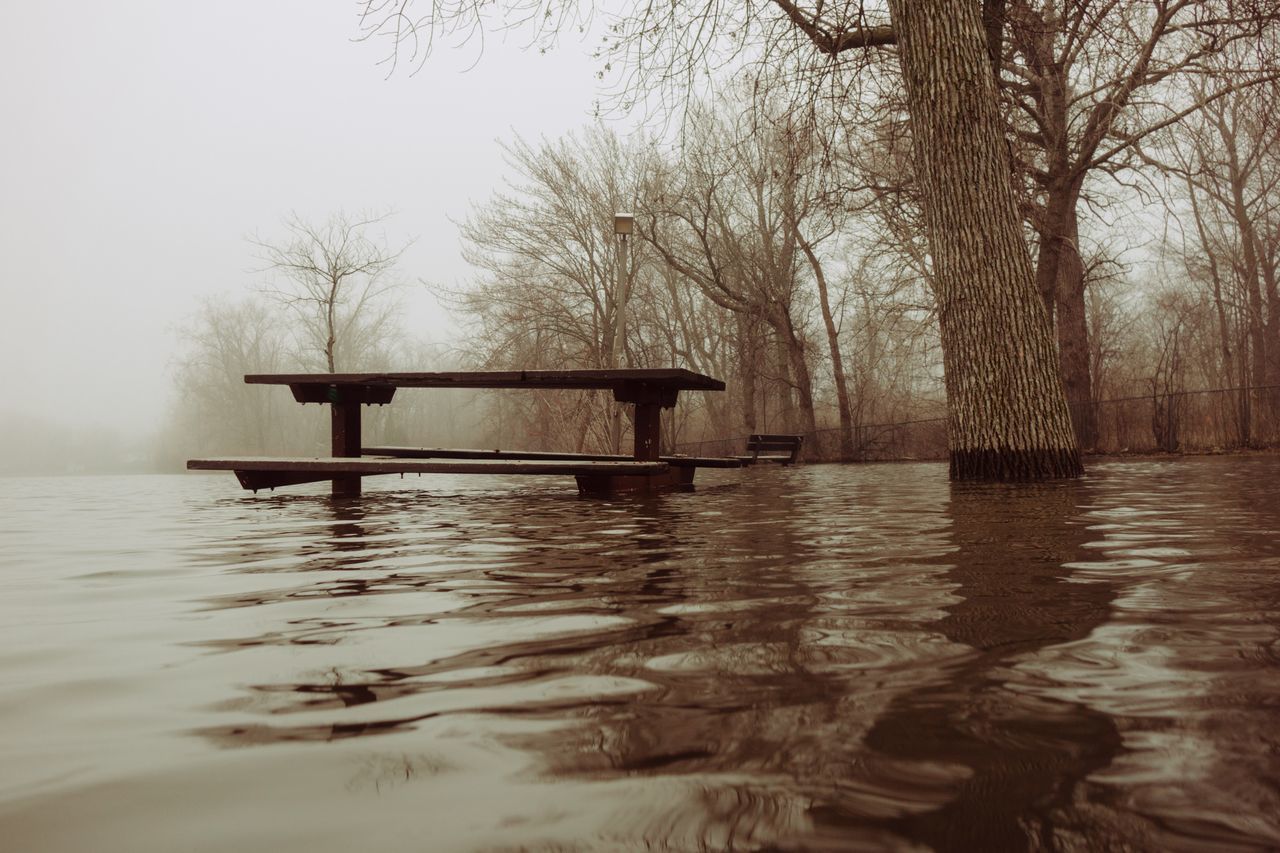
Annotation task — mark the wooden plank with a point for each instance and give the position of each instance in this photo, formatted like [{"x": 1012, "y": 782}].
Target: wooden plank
[
  {"x": 464, "y": 453},
  {"x": 605, "y": 485},
  {"x": 254, "y": 480},
  {"x": 369, "y": 395},
  {"x": 677, "y": 379},
  {"x": 365, "y": 466},
  {"x": 648, "y": 430},
  {"x": 701, "y": 461}
]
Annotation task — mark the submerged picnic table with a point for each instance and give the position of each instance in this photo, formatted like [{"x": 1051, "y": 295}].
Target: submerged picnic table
[{"x": 649, "y": 391}]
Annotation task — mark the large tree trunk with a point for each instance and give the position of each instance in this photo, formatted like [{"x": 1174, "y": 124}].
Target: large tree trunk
[{"x": 1007, "y": 416}]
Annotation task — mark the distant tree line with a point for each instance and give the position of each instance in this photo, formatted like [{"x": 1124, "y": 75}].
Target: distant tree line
[{"x": 327, "y": 299}]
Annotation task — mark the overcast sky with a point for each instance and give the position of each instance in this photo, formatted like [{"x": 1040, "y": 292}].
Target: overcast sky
[{"x": 143, "y": 141}]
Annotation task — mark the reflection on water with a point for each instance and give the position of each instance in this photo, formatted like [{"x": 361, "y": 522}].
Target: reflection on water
[{"x": 814, "y": 658}]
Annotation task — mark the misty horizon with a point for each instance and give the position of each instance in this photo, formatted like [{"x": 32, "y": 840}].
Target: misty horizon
[{"x": 140, "y": 163}]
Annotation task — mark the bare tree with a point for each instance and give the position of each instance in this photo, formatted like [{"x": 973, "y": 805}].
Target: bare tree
[
  {"x": 338, "y": 280},
  {"x": 1085, "y": 83},
  {"x": 1226, "y": 161},
  {"x": 1171, "y": 327},
  {"x": 219, "y": 413},
  {"x": 815, "y": 218},
  {"x": 727, "y": 220},
  {"x": 548, "y": 291}
]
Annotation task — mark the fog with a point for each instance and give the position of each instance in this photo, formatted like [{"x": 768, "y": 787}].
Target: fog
[{"x": 145, "y": 141}]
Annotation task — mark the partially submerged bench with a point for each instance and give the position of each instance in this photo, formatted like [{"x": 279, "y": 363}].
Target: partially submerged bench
[
  {"x": 775, "y": 447},
  {"x": 649, "y": 391},
  {"x": 268, "y": 472}
]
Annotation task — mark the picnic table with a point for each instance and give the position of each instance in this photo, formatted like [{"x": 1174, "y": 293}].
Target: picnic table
[{"x": 648, "y": 390}]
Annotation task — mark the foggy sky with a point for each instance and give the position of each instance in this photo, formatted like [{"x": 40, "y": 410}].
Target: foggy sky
[{"x": 143, "y": 141}]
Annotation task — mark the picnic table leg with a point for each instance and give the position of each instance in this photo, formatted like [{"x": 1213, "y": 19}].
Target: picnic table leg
[
  {"x": 345, "y": 416},
  {"x": 648, "y": 431}
]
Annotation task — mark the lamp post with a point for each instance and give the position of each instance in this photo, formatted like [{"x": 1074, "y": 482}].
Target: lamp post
[{"x": 622, "y": 226}]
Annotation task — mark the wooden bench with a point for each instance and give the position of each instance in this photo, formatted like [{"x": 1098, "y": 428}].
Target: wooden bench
[
  {"x": 765, "y": 442},
  {"x": 268, "y": 472}
]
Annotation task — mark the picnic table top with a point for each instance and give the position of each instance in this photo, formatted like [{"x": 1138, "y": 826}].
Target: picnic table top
[
  {"x": 673, "y": 379},
  {"x": 323, "y": 465}
]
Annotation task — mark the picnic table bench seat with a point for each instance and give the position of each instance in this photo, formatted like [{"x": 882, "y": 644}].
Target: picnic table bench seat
[
  {"x": 268, "y": 472},
  {"x": 759, "y": 442}
]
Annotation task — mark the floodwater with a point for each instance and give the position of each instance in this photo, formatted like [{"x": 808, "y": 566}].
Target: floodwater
[{"x": 818, "y": 658}]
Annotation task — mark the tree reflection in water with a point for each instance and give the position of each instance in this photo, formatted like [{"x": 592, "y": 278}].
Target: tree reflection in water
[
  {"x": 826, "y": 658},
  {"x": 1026, "y": 754},
  {"x": 772, "y": 733}
]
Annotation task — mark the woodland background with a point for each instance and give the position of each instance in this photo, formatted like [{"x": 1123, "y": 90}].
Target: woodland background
[{"x": 779, "y": 247}]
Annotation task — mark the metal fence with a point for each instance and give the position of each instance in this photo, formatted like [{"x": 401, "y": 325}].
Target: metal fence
[
  {"x": 1190, "y": 421},
  {"x": 1176, "y": 422}
]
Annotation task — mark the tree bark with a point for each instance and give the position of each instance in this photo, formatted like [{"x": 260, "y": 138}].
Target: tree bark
[
  {"x": 800, "y": 377},
  {"x": 748, "y": 369},
  {"x": 1268, "y": 261},
  {"x": 1241, "y": 412},
  {"x": 1007, "y": 417},
  {"x": 833, "y": 345},
  {"x": 1073, "y": 332},
  {"x": 1250, "y": 271},
  {"x": 784, "y": 385},
  {"x": 1060, "y": 281}
]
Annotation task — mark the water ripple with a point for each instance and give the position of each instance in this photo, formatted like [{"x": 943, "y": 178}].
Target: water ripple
[{"x": 814, "y": 658}]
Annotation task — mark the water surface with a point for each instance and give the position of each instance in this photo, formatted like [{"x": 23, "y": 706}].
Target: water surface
[{"x": 822, "y": 658}]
